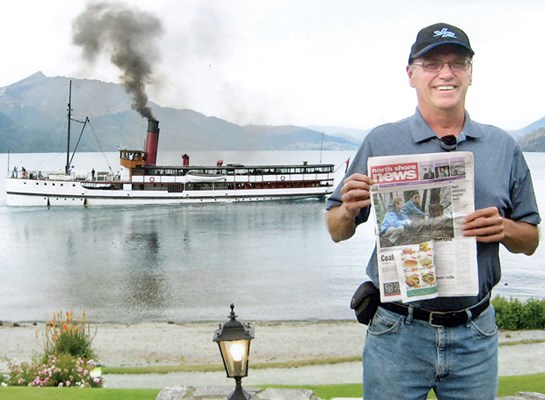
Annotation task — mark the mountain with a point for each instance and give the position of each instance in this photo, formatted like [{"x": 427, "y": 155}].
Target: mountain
[
  {"x": 531, "y": 138},
  {"x": 533, "y": 141},
  {"x": 534, "y": 126},
  {"x": 33, "y": 118},
  {"x": 348, "y": 133}
]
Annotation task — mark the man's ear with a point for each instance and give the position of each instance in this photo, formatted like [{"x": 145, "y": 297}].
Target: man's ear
[{"x": 410, "y": 74}]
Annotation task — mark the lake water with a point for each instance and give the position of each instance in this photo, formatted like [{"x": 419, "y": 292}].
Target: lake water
[{"x": 275, "y": 261}]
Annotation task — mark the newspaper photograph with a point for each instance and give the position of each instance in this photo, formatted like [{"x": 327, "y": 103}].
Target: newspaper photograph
[{"x": 419, "y": 202}]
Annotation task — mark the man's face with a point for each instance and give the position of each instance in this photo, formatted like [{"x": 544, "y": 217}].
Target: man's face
[{"x": 446, "y": 88}]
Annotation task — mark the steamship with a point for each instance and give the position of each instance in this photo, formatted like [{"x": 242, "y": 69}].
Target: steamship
[{"x": 141, "y": 182}]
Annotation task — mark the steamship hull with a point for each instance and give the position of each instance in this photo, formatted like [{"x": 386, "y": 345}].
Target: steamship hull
[
  {"x": 111, "y": 199},
  {"x": 150, "y": 185}
]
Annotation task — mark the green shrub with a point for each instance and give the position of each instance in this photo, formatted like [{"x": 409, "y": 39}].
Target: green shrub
[
  {"x": 534, "y": 313},
  {"x": 514, "y": 314}
]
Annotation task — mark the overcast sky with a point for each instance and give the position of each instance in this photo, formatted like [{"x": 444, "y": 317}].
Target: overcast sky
[{"x": 303, "y": 62}]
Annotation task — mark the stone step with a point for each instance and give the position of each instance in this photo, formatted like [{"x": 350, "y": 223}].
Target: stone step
[{"x": 221, "y": 393}]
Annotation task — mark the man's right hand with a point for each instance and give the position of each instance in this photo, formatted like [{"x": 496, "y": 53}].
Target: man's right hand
[
  {"x": 355, "y": 193},
  {"x": 341, "y": 220}
]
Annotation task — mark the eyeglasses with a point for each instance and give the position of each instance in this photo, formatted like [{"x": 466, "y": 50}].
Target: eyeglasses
[{"x": 436, "y": 65}]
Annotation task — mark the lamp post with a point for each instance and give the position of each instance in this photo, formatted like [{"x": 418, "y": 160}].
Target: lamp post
[{"x": 233, "y": 339}]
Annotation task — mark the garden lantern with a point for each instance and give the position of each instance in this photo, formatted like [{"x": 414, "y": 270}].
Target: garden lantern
[{"x": 233, "y": 339}]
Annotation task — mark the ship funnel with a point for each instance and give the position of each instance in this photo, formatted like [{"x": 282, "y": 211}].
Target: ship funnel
[{"x": 152, "y": 142}]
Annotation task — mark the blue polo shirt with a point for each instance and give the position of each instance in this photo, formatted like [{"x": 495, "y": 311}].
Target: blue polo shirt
[{"x": 502, "y": 180}]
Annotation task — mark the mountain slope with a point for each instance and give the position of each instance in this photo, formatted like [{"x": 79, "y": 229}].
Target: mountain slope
[
  {"x": 534, "y": 141},
  {"x": 33, "y": 118}
]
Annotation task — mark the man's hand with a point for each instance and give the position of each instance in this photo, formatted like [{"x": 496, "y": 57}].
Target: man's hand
[
  {"x": 341, "y": 220},
  {"x": 487, "y": 226},
  {"x": 355, "y": 193}
]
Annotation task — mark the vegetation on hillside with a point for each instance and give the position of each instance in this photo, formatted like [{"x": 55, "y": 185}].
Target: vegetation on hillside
[{"x": 534, "y": 141}]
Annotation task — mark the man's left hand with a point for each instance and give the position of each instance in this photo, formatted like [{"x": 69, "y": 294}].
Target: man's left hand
[{"x": 485, "y": 224}]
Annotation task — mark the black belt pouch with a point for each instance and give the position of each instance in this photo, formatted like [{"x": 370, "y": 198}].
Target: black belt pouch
[{"x": 365, "y": 301}]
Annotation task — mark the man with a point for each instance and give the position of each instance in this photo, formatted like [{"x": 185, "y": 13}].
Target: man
[{"x": 409, "y": 350}]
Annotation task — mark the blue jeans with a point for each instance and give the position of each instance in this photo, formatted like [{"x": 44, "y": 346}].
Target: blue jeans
[{"x": 405, "y": 358}]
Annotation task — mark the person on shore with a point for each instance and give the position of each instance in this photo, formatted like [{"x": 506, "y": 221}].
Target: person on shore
[
  {"x": 447, "y": 344},
  {"x": 394, "y": 222}
]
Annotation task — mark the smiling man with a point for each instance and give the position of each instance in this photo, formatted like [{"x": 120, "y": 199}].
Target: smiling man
[{"x": 446, "y": 344}]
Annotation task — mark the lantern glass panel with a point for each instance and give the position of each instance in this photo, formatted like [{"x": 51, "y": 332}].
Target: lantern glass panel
[{"x": 235, "y": 355}]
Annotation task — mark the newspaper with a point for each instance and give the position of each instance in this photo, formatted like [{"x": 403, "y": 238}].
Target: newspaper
[{"x": 419, "y": 202}]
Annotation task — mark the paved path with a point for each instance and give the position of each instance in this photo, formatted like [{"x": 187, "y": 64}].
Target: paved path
[{"x": 521, "y": 359}]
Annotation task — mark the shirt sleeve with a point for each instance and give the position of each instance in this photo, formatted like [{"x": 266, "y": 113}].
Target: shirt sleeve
[
  {"x": 358, "y": 165},
  {"x": 523, "y": 200}
]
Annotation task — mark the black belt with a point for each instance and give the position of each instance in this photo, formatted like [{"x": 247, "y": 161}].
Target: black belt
[{"x": 439, "y": 318}]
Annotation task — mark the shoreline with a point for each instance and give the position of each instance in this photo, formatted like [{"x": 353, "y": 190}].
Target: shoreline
[{"x": 167, "y": 343}]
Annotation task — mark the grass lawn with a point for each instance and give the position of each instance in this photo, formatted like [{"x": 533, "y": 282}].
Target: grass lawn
[
  {"x": 34, "y": 393},
  {"x": 509, "y": 385}
]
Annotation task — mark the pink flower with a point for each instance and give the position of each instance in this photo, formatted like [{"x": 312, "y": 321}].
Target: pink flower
[{"x": 68, "y": 383}]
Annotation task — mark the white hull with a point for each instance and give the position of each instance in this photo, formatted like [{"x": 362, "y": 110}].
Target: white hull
[{"x": 25, "y": 192}]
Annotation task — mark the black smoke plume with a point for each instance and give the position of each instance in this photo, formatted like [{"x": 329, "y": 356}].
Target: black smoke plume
[{"x": 128, "y": 36}]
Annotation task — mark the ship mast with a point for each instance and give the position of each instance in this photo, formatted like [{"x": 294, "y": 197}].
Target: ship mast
[{"x": 67, "y": 166}]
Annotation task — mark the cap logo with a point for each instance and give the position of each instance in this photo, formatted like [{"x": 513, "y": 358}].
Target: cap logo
[{"x": 444, "y": 33}]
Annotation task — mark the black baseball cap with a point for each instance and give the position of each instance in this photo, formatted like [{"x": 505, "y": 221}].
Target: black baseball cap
[{"x": 438, "y": 35}]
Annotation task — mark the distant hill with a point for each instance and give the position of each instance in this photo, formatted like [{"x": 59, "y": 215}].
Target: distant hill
[
  {"x": 534, "y": 141},
  {"x": 534, "y": 126},
  {"x": 349, "y": 133},
  {"x": 33, "y": 118}
]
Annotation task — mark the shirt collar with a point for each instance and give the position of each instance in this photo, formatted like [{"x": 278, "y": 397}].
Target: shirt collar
[{"x": 421, "y": 131}]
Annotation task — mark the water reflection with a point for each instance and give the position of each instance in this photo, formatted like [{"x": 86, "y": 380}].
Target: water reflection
[{"x": 146, "y": 279}]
